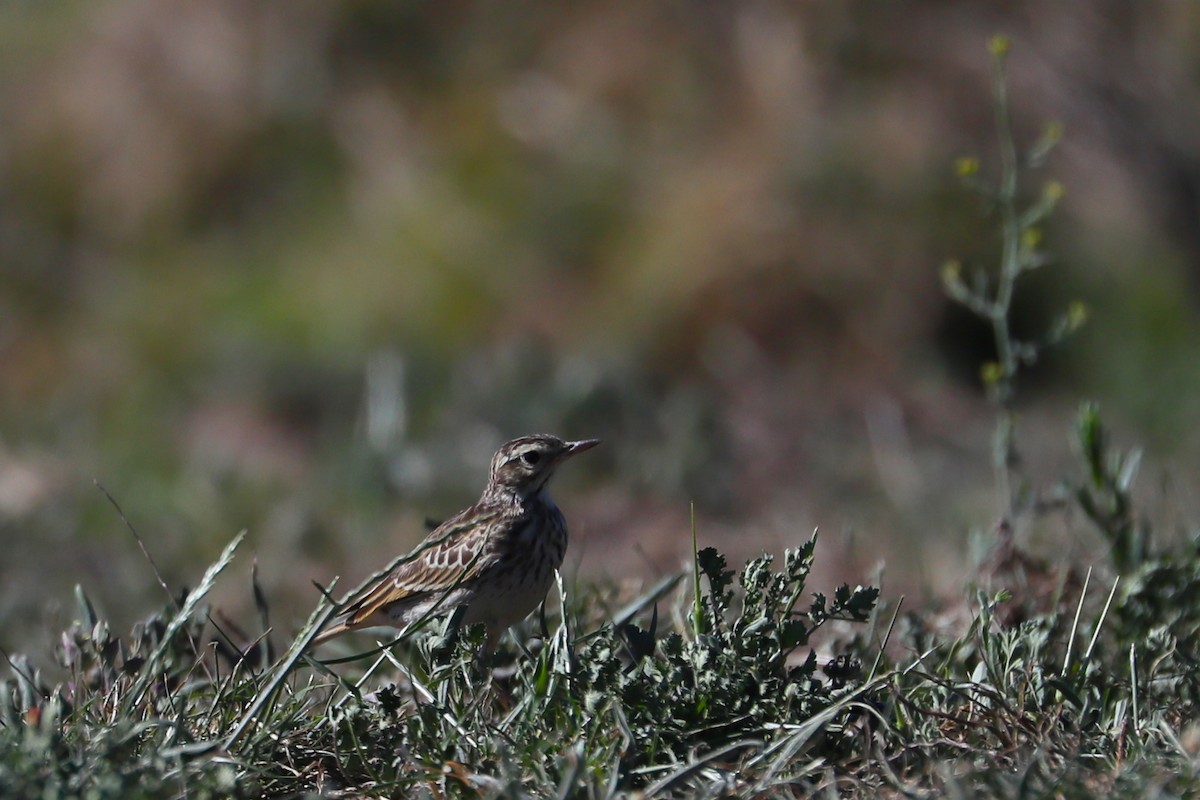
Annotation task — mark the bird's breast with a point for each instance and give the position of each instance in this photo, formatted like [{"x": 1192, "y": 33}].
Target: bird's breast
[{"x": 542, "y": 539}]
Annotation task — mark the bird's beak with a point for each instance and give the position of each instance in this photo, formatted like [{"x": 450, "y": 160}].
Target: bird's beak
[{"x": 574, "y": 448}]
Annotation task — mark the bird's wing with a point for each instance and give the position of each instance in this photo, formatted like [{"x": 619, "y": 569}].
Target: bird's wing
[{"x": 448, "y": 557}]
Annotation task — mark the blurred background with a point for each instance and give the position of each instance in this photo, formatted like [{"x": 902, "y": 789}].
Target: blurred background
[{"x": 300, "y": 267}]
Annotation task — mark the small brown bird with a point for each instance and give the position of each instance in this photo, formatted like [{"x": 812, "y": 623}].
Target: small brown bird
[{"x": 496, "y": 558}]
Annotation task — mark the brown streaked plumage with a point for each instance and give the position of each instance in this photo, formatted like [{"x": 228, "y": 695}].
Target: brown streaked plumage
[{"x": 496, "y": 558}]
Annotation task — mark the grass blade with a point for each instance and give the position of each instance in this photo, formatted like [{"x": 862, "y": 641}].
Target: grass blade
[{"x": 151, "y": 669}]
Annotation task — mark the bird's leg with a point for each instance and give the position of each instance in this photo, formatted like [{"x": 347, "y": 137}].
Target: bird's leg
[
  {"x": 498, "y": 675},
  {"x": 485, "y": 659},
  {"x": 444, "y": 650}
]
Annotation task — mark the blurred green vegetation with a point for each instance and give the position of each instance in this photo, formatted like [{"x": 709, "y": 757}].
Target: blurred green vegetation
[{"x": 298, "y": 268}]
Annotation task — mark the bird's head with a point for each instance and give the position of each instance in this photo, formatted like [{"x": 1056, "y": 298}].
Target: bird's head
[{"x": 525, "y": 464}]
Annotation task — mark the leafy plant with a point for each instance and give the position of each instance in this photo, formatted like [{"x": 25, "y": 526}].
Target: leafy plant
[
  {"x": 1106, "y": 493},
  {"x": 990, "y": 294}
]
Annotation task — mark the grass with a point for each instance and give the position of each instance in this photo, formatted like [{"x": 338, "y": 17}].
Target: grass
[
  {"x": 712, "y": 684},
  {"x": 1043, "y": 680}
]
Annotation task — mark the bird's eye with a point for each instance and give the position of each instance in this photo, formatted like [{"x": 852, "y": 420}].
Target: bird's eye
[{"x": 531, "y": 457}]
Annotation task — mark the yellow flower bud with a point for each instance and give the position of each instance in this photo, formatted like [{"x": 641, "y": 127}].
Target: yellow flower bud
[
  {"x": 991, "y": 373},
  {"x": 1077, "y": 314}
]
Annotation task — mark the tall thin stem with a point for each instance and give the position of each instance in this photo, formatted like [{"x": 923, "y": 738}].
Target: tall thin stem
[{"x": 1003, "y": 389}]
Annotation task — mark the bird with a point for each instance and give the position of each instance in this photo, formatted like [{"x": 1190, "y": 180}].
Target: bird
[{"x": 494, "y": 561}]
